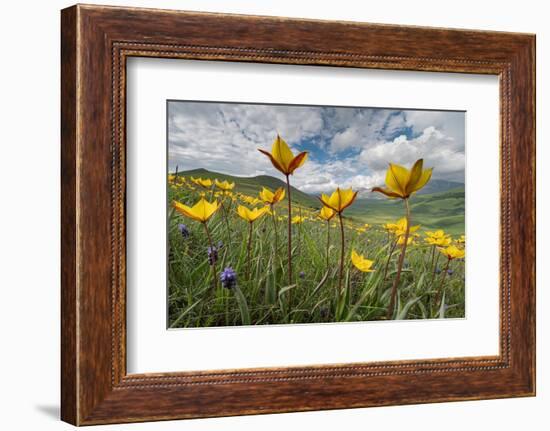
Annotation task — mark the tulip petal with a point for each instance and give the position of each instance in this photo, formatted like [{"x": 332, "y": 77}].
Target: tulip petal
[
  {"x": 388, "y": 193},
  {"x": 185, "y": 210},
  {"x": 414, "y": 176},
  {"x": 325, "y": 200},
  {"x": 275, "y": 163},
  {"x": 281, "y": 152},
  {"x": 297, "y": 161},
  {"x": 423, "y": 180},
  {"x": 347, "y": 197},
  {"x": 396, "y": 179}
]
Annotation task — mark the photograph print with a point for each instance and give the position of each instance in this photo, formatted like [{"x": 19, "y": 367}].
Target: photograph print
[{"x": 291, "y": 214}]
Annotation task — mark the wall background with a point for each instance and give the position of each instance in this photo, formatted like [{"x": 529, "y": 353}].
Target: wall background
[{"x": 29, "y": 215}]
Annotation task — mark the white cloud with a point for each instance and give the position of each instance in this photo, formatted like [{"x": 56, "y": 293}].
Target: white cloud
[
  {"x": 349, "y": 146},
  {"x": 438, "y": 150}
]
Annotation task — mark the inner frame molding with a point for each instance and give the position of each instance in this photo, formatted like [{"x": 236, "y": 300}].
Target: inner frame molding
[{"x": 96, "y": 42}]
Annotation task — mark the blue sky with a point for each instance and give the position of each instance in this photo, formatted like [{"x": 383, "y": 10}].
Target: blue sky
[{"x": 347, "y": 146}]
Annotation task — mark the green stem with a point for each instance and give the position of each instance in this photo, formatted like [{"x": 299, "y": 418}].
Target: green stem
[
  {"x": 400, "y": 263},
  {"x": 328, "y": 242},
  {"x": 289, "y": 235},
  {"x": 248, "y": 249},
  {"x": 442, "y": 284},
  {"x": 433, "y": 257},
  {"x": 394, "y": 244},
  {"x": 274, "y": 218},
  {"x": 434, "y": 269},
  {"x": 214, "y": 272},
  {"x": 342, "y": 243},
  {"x": 226, "y": 212}
]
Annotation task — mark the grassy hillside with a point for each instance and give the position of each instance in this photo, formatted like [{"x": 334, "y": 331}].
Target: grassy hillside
[
  {"x": 252, "y": 185},
  {"x": 441, "y": 210}
]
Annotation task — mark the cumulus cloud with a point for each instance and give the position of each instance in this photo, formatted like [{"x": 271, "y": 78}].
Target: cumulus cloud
[{"x": 348, "y": 146}]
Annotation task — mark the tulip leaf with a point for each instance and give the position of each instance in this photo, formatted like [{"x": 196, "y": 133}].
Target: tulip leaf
[
  {"x": 442, "y": 307},
  {"x": 243, "y": 306},
  {"x": 403, "y": 312},
  {"x": 185, "y": 313}
]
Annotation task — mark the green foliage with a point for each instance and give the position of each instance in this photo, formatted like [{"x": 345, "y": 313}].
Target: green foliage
[{"x": 267, "y": 298}]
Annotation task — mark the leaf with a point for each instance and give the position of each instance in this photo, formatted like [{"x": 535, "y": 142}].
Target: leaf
[
  {"x": 185, "y": 313},
  {"x": 373, "y": 278},
  {"x": 403, "y": 313},
  {"x": 320, "y": 284},
  {"x": 286, "y": 289},
  {"x": 243, "y": 306},
  {"x": 442, "y": 307}
]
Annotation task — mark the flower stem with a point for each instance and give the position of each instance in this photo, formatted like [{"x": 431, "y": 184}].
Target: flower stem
[
  {"x": 328, "y": 242},
  {"x": 434, "y": 269},
  {"x": 289, "y": 235},
  {"x": 274, "y": 218},
  {"x": 400, "y": 263},
  {"x": 226, "y": 211},
  {"x": 342, "y": 243},
  {"x": 442, "y": 285},
  {"x": 433, "y": 257},
  {"x": 392, "y": 249},
  {"x": 214, "y": 272},
  {"x": 248, "y": 247}
]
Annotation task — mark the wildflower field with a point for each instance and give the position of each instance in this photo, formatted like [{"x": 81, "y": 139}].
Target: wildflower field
[{"x": 258, "y": 251}]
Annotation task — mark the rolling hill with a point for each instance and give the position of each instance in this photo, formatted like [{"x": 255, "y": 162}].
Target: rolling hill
[
  {"x": 442, "y": 209},
  {"x": 252, "y": 185}
]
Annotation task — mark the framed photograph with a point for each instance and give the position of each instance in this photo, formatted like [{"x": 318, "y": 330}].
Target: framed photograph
[{"x": 266, "y": 215}]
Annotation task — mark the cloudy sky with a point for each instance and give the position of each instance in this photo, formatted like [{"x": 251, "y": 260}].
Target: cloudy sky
[{"x": 347, "y": 146}]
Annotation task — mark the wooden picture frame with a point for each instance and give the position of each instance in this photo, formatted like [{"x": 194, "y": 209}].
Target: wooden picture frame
[{"x": 95, "y": 43}]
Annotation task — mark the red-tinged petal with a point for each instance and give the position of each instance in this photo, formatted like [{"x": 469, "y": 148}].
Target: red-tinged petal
[
  {"x": 273, "y": 161},
  {"x": 388, "y": 193},
  {"x": 297, "y": 161}
]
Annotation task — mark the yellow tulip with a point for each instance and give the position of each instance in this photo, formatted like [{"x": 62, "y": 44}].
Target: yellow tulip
[
  {"x": 461, "y": 240},
  {"x": 326, "y": 213},
  {"x": 402, "y": 182},
  {"x": 361, "y": 263},
  {"x": 224, "y": 185},
  {"x": 271, "y": 198},
  {"x": 401, "y": 227},
  {"x": 452, "y": 252},
  {"x": 401, "y": 240},
  {"x": 201, "y": 211},
  {"x": 206, "y": 183},
  {"x": 282, "y": 157},
  {"x": 438, "y": 238},
  {"x": 298, "y": 219},
  {"x": 251, "y": 215},
  {"x": 339, "y": 200}
]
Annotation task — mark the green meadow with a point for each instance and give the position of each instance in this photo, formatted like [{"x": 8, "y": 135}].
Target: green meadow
[{"x": 430, "y": 284}]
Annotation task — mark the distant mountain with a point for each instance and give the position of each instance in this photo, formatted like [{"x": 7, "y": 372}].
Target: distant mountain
[
  {"x": 252, "y": 185},
  {"x": 437, "y": 186}
]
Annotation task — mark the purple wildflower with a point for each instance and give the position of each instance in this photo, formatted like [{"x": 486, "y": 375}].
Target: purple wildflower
[
  {"x": 183, "y": 230},
  {"x": 450, "y": 271},
  {"x": 438, "y": 270},
  {"x": 228, "y": 277},
  {"x": 302, "y": 275}
]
